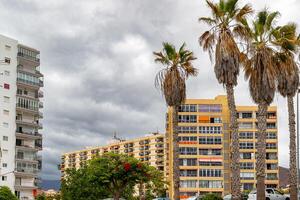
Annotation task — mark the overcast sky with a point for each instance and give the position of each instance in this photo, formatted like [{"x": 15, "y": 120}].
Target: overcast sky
[{"x": 96, "y": 56}]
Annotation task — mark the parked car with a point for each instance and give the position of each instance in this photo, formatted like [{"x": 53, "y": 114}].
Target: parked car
[{"x": 271, "y": 194}]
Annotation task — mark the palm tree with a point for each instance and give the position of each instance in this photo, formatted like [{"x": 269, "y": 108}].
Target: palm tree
[
  {"x": 285, "y": 38},
  {"x": 225, "y": 16},
  {"x": 260, "y": 70},
  {"x": 171, "y": 81}
]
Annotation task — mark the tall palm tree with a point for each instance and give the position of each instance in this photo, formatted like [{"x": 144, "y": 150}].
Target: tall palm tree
[
  {"x": 225, "y": 16},
  {"x": 260, "y": 70},
  {"x": 171, "y": 81},
  {"x": 285, "y": 38}
]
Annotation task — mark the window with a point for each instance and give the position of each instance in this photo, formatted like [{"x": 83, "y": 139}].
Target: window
[
  {"x": 188, "y": 184},
  {"x": 187, "y": 129},
  {"x": 271, "y": 125},
  {"x": 271, "y": 146},
  {"x": 6, "y": 112},
  {"x": 4, "y": 178},
  {"x": 7, "y": 60},
  {"x": 210, "y": 129},
  {"x": 214, "y": 152},
  {"x": 272, "y": 176},
  {"x": 188, "y": 162},
  {"x": 205, "y": 163},
  {"x": 188, "y": 173},
  {"x": 271, "y": 135},
  {"x": 246, "y": 145},
  {"x": 4, "y": 164},
  {"x": 6, "y": 73},
  {"x": 245, "y": 125},
  {"x": 210, "y": 140},
  {"x": 271, "y": 166},
  {"x": 210, "y": 173},
  {"x": 188, "y": 140},
  {"x": 5, "y": 124},
  {"x": 7, "y": 47},
  {"x": 187, "y": 118},
  {"x": 5, "y": 151},
  {"x": 248, "y": 186},
  {"x": 246, "y": 135},
  {"x": 5, "y": 138},
  {"x": 246, "y": 115},
  {"x": 6, "y": 99},
  {"x": 247, "y": 155},
  {"x": 6, "y": 86},
  {"x": 188, "y": 108},
  {"x": 245, "y": 165},
  {"x": 210, "y": 108},
  {"x": 210, "y": 184},
  {"x": 247, "y": 175},
  {"x": 188, "y": 150},
  {"x": 271, "y": 156}
]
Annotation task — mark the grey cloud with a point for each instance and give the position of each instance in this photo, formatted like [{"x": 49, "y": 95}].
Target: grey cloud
[{"x": 99, "y": 70}]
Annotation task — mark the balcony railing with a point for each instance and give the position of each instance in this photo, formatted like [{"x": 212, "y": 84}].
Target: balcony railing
[
  {"x": 26, "y": 56},
  {"x": 30, "y": 134},
  {"x": 40, "y": 94},
  {"x": 28, "y": 82},
  {"x": 41, "y": 104},
  {"x": 27, "y": 170}
]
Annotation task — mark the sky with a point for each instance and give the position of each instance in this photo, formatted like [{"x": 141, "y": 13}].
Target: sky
[{"x": 96, "y": 56}]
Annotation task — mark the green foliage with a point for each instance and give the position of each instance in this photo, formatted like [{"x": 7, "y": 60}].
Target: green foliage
[
  {"x": 212, "y": 196},
  {"x": 41, "y": 197},
  {"x": 110, "y": 175},
  {"x": 6, "y": 194}
]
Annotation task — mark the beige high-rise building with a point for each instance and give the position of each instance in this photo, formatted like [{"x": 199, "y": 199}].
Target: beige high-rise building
[{"x": 204, "y": 142}]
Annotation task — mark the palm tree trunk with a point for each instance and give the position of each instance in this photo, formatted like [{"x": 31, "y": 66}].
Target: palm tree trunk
[
  {"x": 176, "y": 171},
  {"x": 261, "y": 150},
  {"x": 235, "y": 150},
  {"x": 141, "y": 191},
  {"x": 293, "y": 158},
  {"x": 117, "y": 195}
]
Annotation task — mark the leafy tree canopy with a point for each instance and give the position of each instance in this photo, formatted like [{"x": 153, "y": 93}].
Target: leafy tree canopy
[
  {"x": 6, "y": 194},
  {"x": 110, "y": 175}
]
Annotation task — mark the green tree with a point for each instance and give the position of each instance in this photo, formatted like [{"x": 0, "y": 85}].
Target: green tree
[
  {"x": 110, "y": 175},
  {"x": 6, "y": 194},
  {"x": 226, "y": 15},
  {"x": 171, "y": 81},
  {"x": 77, "y": 185},
  {"x": 260, "y": 70},
  {"x": 41, "y": 197},
  {"x": 285, "y": 38},
  {"x": 212, "y": 197}
]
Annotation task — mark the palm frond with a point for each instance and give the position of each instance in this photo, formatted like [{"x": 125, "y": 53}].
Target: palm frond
[
  {"x": 214, "y": 8},
  {"x": 243, "y": 12},
  {"x": 270, "y": 19},
  {"x": 209, "y": 21},
  {"x": 230, "y": 5}
]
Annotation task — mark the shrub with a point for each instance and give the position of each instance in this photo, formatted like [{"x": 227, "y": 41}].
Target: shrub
[{"x": 212, "y": 197}]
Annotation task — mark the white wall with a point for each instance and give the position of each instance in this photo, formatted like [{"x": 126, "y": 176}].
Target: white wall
[{"x": 9, "y": 155}]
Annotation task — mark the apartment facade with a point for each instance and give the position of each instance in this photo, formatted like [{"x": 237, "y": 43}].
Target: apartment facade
[
  {"x": 204, "y": 146},
  {"x": 20, "y": 140},
  {"x": 149, "y": 149}
]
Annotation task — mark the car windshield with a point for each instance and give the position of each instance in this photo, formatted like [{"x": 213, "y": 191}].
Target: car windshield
[{"x": 278, "y": 192}]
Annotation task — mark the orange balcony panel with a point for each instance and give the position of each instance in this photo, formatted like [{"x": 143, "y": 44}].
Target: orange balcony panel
[{"x": 204, "y": 119}]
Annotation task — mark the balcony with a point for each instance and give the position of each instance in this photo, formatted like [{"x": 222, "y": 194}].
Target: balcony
[
  {"x": 32, "y": 84},
  {"x": 33, "y": 72},
  {"x": 28, "y": 135},
  {"x": 41, "y": 104},
  {"x": 22, "y": 107},
  {"x": 35, "y": 124},
  {"x": 40, "y": 94},
  {"x": 31, "y": 172},
  {"x": 26, "y": 147},
  {"x": 33, "y": 158},
  {"x": 41, "y": 115},
  {"x": 28, "y": 55}
]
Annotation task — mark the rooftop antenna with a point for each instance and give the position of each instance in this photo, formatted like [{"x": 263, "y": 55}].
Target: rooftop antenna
[{"x": 117, "y": 138}]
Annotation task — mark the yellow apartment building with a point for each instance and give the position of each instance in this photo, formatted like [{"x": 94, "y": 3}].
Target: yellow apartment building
[
  {"x": 149, "y": 149},
  {"x": 204, "y": 146}
]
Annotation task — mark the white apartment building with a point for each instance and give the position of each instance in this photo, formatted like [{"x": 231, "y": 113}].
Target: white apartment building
[{"x": 20, "y": 140}]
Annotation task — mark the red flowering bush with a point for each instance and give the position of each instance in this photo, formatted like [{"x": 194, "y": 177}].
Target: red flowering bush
[{"x": 127, "y": 166}]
